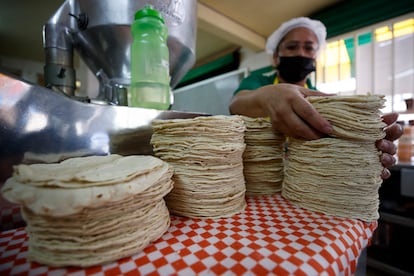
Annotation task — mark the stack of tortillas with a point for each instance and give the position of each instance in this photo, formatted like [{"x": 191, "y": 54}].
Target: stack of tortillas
[
  {"x": 206, "y": 154},
  {"x": 91, "y": 210},
  {"x": 263, "y": 157},
  {"x": 339, "y": 175}
]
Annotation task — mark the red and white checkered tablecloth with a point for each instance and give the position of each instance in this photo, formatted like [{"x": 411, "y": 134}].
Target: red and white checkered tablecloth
[
  {"x": 10, "y": 217},
  {"x": 270, "y": 237}
]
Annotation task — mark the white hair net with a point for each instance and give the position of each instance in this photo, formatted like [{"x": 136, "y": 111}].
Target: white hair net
[{"x": 314, "y": 25}]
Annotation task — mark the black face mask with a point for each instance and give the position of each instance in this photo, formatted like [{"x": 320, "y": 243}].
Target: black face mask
[{"x": 295, "y": 69}]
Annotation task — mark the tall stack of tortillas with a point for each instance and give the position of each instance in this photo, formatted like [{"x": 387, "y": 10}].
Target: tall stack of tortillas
[
  {"x": 263, "y": 157},
  {"x": 91, "y": 210},
  {"x": 206, "y": 154},
  {"x": 339, "y": 175}
]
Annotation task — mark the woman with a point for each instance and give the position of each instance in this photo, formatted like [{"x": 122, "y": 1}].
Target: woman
[{"x": 294, "y": 48}]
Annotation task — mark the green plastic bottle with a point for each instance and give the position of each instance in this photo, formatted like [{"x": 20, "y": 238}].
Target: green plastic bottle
[{"x": 150, "y": 75}]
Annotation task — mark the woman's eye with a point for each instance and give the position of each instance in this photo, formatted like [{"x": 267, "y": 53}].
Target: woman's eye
[
  {"x": 292, "y": 47},
  {"x": 309, "y": 49}
]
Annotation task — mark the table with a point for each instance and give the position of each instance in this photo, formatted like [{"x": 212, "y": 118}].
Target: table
[
  {"x": 270, "y": 236},
  {"x": 10, "y": 217}
]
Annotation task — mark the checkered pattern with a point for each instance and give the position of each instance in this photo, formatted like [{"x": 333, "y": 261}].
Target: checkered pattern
[
  {"x": 10, "y": 217},
  {"x": 270, "y": 236}
]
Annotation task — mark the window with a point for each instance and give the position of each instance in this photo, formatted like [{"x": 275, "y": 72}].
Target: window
[{"x": 378, "y": 60}]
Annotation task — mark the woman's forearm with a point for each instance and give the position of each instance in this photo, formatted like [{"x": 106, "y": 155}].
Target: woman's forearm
[{"x": 247, "y": 102}]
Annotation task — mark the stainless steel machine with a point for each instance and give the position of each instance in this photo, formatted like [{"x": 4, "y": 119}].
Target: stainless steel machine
[
  {"x": 49, "y": 124},
  {"x": 99, "y": 30}
]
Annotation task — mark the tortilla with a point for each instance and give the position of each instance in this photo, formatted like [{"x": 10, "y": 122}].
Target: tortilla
[
  {"x": 92, "y": 210},
  {"x": 339, "y": 175},
  {"x": 206, "y": 155},
  {"x": 263, "y": 157}
]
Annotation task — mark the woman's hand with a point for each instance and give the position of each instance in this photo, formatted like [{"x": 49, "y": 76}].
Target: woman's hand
[
  {"x": 293, "y": 115},
  {"x": 285, "y": 104},
  {"x": 393, "y": 132}
]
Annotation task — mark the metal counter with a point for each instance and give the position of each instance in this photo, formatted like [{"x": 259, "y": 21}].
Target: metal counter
[{"x": 40, "y": 125}]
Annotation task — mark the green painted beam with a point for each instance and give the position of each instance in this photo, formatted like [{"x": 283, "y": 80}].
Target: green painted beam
[{"x": 351, "y": 15}]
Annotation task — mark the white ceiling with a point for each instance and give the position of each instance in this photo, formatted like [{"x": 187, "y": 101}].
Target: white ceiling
[{"x": 222, "y": 24}]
